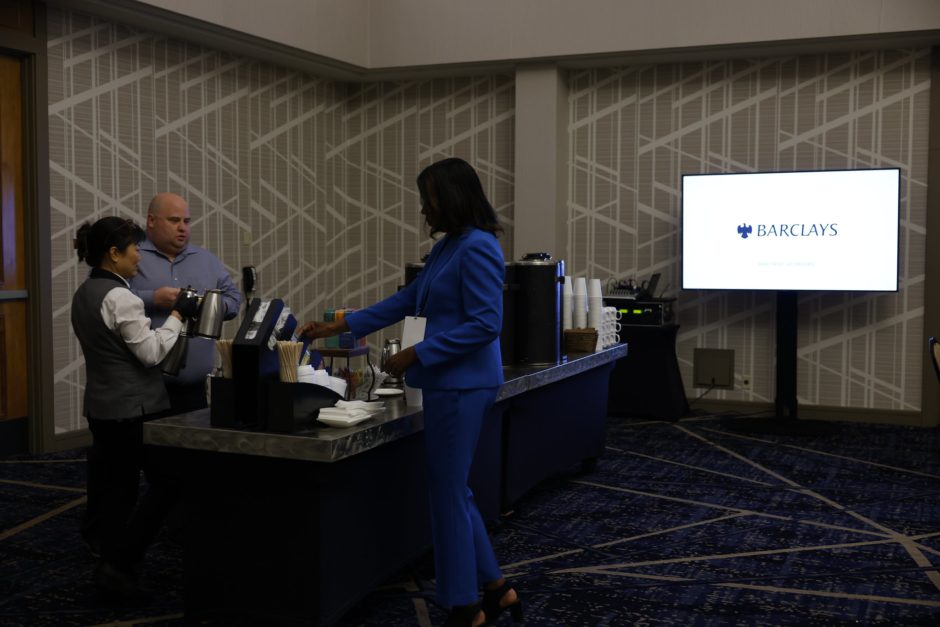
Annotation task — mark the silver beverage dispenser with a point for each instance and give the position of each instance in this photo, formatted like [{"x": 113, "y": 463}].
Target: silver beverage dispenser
[
  {"x": 538, "y": 309},
  {"x": 210, "y": 314},
  {"x": 392, "y": 348}
]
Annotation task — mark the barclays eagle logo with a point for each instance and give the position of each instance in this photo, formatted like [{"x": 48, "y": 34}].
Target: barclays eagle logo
[{"x": 744, "y": 230}]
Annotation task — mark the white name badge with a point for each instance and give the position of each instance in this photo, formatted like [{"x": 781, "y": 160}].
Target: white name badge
[
  {"x": 411, "y": 334},
  {"x": 413, "y": 331}
]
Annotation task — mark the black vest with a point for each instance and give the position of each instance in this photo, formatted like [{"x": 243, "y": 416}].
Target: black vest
[{"x": 117, "y": 385}]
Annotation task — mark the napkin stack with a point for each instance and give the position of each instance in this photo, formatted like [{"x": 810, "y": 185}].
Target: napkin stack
[
  {"x": 306, "y": 374},
  {"x": 348, "y": 413}
]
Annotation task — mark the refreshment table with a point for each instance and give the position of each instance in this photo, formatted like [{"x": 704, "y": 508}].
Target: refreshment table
[{"x": 295, "y": 528}]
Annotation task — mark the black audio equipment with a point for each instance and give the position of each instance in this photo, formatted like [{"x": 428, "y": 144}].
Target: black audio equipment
[{"x": 651, "y": 312}]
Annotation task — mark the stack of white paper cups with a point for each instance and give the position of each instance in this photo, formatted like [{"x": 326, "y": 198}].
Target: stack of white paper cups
[
  {"x": 595, "y": 305},
  {"x": 579, "y": 303},
  {"x": 567, "y": 304}
]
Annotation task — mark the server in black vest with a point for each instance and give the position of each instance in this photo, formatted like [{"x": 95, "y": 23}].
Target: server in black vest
[{"x": 123, "y": 389}]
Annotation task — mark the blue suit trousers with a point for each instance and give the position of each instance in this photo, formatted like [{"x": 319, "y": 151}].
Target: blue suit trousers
[{"x": 463, "y": 555}]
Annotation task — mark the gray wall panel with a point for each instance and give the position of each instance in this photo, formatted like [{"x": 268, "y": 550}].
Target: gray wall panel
[
  {"x": 310, "y": 180},
  {"x": 635, "y": 130}
]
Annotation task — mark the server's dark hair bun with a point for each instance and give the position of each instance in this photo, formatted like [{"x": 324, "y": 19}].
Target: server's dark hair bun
[
  {"x": 81, "y": 241},
  {"x": 93, "y": 241}
]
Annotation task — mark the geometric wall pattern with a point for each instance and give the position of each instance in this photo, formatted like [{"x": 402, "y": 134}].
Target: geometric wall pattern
[
  {"x": 309, "y": 180},
  {"x": 633, "y": 131}
]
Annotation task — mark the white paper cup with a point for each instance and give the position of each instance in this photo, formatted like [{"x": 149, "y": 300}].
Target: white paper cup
[
  {"x": 580, "y": 287},
  {"x": 567, "y": 311},
  {"x": 413, "y": 397},
  {"x": 595, "y": 311},
  {"x": 594, "y": 289},
  {"x": 579, "y": 314}
]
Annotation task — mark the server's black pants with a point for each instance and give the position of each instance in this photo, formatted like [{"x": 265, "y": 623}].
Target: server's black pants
[{"x": 114, "y": 519}]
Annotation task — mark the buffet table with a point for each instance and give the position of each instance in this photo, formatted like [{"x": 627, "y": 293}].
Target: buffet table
[{"x": 295, "y": 528}]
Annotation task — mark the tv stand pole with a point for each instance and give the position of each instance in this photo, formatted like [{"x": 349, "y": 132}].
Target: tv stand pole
[
  {"x": 785, "y": 401},
  {"x": 785, "y": 420}
]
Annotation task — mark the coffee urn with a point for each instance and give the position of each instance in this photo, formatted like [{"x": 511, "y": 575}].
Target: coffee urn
[
  {"x": 413, "y": 268},
  {"x": 538, "y": 309},
  {"x": 507, "y": 335}
]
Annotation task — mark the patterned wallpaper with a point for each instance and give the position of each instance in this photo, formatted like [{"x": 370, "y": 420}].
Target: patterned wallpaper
[
  {"x": 635, "y": 130},
  {"x": 311, "y": 181}
]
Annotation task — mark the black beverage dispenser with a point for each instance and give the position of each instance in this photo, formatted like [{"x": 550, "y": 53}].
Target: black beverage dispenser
[
  {"x": 412, "y": 269},
  {"x": 255, "y": 363},
  {"x": 507, "y": 335},
  {"x": 538, "y": 309}
]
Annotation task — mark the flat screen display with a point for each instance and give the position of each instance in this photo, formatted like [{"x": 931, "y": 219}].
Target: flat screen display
[{"x": 819, "y": 230}]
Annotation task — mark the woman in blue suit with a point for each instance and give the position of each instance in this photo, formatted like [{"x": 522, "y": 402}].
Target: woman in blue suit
[{"x": 459, "y": 370}]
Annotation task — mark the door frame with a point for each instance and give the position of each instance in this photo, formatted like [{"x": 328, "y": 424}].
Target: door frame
[{"x": 30, "y": 45}]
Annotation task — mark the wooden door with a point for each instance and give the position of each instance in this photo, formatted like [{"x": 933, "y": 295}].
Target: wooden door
[{"x": 13, "y": 367}]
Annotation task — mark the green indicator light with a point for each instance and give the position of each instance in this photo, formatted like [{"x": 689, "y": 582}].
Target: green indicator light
[{"x": 637, "y": 311}]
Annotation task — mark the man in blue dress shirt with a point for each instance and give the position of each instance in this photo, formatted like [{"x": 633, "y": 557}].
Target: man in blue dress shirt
[{"x": 169, "y": 263}]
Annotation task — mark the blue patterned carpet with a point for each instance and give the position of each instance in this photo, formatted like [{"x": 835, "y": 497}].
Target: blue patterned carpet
[{"x": 688, "y": 523}]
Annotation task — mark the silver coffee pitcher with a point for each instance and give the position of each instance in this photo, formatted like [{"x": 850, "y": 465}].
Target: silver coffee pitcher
[
  {"x": 392, "y": 347},
  {"x": 175, "y": 360},
  {"x": 211, "y": 315},
  {"x": 189, "y": 326}
]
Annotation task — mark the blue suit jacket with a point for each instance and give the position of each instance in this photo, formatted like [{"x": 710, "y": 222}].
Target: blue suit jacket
[{"x": 460, "y": 292}]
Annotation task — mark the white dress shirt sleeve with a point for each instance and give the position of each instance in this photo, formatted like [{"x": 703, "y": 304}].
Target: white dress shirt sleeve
[{"x": 123, "y": 313}]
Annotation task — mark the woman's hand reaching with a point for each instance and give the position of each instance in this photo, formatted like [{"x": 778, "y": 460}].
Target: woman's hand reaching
[
  {"x": 401, "y": 361},
  {"x": 315, "y": 330}
]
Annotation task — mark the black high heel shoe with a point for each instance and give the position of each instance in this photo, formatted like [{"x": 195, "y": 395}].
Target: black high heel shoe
[
  {"x": 463, "y": 615},
  {"x": 492, "y": 608}
]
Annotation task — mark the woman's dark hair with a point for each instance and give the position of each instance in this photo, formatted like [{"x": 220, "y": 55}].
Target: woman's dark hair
[
  {"x": 94, "y": 240},
  {"x": 459, "y": 195}
]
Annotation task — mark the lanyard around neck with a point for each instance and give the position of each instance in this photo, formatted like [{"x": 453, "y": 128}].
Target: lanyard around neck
[{"x": 436, "y": 266}]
